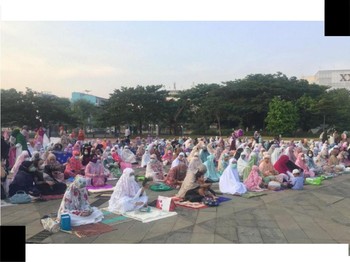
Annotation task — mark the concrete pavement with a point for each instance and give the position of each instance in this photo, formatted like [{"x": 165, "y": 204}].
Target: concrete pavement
[{"x": 318, "y": 214}]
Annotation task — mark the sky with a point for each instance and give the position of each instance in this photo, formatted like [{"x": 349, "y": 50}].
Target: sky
[
  {"x": 65, "y": 46},
  {"x": 60, "y": 57}
]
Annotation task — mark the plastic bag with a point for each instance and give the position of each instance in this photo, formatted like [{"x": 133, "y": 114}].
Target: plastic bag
[
  {"x": 50, "y": 224},
  {"x": 313, "y": 181}
]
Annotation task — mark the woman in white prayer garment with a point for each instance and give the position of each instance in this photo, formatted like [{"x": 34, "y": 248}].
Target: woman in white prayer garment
[
  {"x": 127, "y": 195},
  {"x": 229, "y": 181}
]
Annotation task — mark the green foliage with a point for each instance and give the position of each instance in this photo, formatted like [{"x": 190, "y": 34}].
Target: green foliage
[
  {"x": 249, "y": 102},
  {"x": 282, "y": 117},
  {"x": 18, "y": 108},
  {"x": 136, "y": 105}
]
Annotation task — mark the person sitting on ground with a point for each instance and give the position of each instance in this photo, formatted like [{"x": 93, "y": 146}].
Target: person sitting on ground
[
  {"x": 75, "y": 202},
  {"x": 223, "y": 162},
  {"x": 4, "y": 174},
  {"x": 253, "y": 160},
  {"x": 254, "y": 180},
  {"x": 301, "y": 163},
  {"x": 268, "y": 172},
  {"x": 211, "y": 175},
  {"x": 311, "y": 162},
  {"x": 154, "y": 169},
  {"x": 146, "y": 157},
  {"x": 112, "y": 166},
  {"x": 167, "y": 158},
  {"x": 24, "y": 180},
  {"x": 201, "y": 189},
  {"x": 229, "y": 182},
  {"x": 54, "y": 168},
  {"x": 127, "y": 194},
  {"x": 284, "y": 166},
  {"x": 128, "y": 156},
  {"x": 74, "y": 166},
  {"x": 179, "y": 159},
  {"x": 297, "y": 182},
  {"x": 176, "y": 175},
  {"x": 95, "y": 172},
  {"x": 190, "y": 180},
  {"x": 46, "y": 183},
  {"x": 22, "y": 157}
]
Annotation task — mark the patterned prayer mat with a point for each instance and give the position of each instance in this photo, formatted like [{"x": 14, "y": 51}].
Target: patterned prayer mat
[
  {"x": 51, "y": 197},
  {"x": 188, "y": 204},
  {"x": 105, "y": 188},
  {"x": 91, "y": 230}
]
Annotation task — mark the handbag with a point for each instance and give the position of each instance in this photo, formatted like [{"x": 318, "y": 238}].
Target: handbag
[
  {"x": 165, "y": 203},
  {"x": 211, "y": 202},
  {"x": 20, "y": 197}
]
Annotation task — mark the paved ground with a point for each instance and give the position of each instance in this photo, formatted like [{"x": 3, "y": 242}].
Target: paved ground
[{"x": 318, "y": 214}]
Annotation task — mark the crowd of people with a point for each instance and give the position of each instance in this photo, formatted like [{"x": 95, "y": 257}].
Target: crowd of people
[{"x": 189, "y": 165}]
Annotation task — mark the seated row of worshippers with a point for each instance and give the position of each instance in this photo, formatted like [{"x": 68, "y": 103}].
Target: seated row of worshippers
[{"x": 250, "y": 163}]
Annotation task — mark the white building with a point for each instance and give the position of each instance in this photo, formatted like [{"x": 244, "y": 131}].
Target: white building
[{"x": 333, "y": 78}]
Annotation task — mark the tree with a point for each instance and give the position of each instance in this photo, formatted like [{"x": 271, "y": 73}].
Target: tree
[
  {"x": 333, "y": 108},
  {"x": 282, "y": 117},
  {"x": 33, "y": 109},
  {"x": 137, "y": 105}
]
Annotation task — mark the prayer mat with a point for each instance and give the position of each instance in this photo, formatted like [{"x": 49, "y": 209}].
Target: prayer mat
[
  {"x": 160, "y": 187},
  {"x": 91, "y": 230},
  {"x": 111, "y": 218},
  {"x": 51, "y": 197},
  {"x": 146, "y": 217},
  {"x": 106, "y": 195},
  {"x": 193, "y": 205},
  {"x": 253, "y": 194},
  {"x": 100, "y": 189},
  {"x": 223, "y": 199}
]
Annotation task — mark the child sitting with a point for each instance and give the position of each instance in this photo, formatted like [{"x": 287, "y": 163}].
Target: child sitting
[{"x": 298, "y": 181}]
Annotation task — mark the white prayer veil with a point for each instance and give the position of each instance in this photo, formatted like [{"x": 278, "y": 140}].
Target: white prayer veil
[{"x": 125, "y": 187}]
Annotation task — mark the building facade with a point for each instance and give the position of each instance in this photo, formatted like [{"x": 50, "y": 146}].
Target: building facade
[
  {"x": 333, "y": 78},
  {"x": 90, "y": 98}
]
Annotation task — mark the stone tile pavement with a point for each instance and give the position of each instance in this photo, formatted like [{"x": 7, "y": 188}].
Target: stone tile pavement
[{"x": 318, "y": 214}]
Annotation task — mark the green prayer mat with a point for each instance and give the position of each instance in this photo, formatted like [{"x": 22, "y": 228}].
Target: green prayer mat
[
  {"x": 160, "y": 187},
  {"x": 253, "y": 194},
  {"x": 112, "y": 218}
]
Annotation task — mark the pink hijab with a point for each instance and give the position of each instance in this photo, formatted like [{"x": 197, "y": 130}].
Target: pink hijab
[
  {"x": 19, "y": 161},
  {"x": 253, "y": 180},
  {"x": 301, "y": 163}
]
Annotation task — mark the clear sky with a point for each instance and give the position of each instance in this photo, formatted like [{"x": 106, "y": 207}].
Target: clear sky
[{"x": 65, "y": 56}]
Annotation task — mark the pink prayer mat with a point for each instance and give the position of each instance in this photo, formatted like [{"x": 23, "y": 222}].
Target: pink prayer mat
[
  {"x": 106, "y": 186},
  {"x": 51, "y": 197}
]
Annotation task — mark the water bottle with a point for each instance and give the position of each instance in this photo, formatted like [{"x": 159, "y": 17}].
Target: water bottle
[{"x": 65, "y": 222}]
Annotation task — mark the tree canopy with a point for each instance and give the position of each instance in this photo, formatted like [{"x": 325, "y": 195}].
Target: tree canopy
[{"x": 271, "y": 101}]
